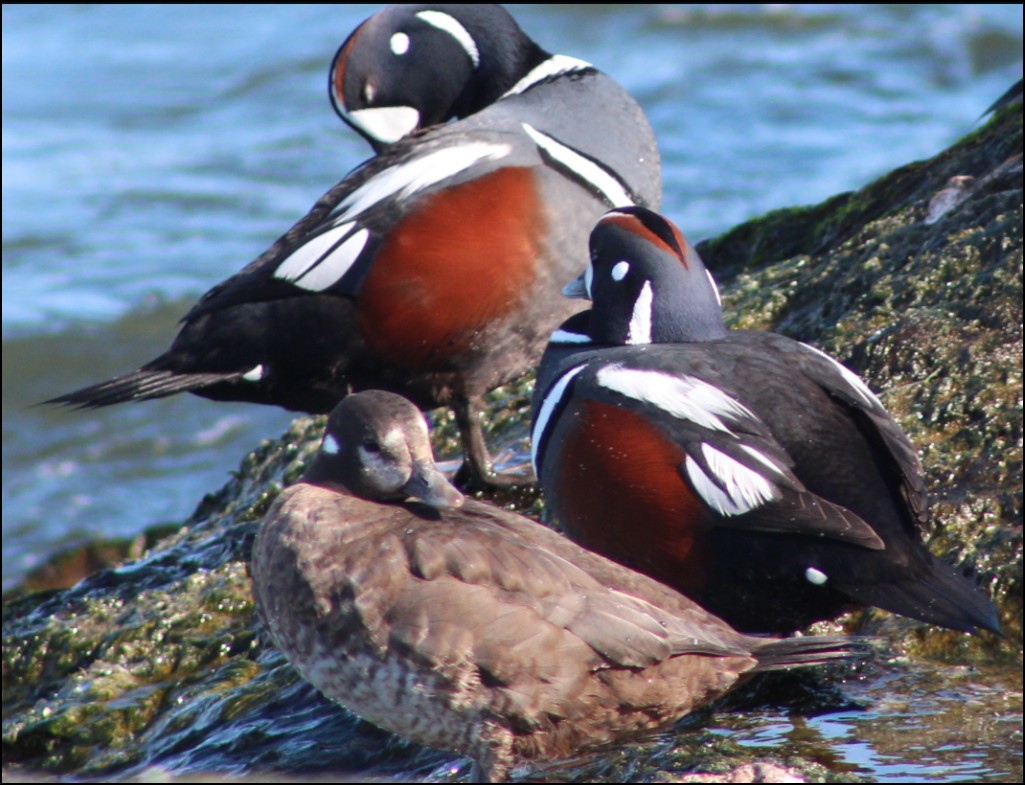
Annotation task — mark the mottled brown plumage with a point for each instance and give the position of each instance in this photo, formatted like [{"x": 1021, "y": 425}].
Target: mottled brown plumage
[{"x": 468, "y": 628}]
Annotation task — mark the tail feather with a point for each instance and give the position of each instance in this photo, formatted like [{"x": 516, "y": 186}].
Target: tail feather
[
  {"x": 941, "y": 596},
  {"x": 776, "y": 654},
  {"x": 140, "y": 386}
]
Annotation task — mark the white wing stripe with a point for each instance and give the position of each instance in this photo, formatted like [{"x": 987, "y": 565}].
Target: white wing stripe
[
  {"x": 416, "y": 175},
  {"x": 850, "y": 377},
  {"x": 333, "y": 268},
  {"x": 683, "y": 397},
  {"x": 738, "y": 490},
  {"x": 308, "y": 255}
]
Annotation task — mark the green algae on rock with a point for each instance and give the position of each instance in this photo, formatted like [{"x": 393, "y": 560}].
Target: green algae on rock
[{"x": 915, "y": 281}]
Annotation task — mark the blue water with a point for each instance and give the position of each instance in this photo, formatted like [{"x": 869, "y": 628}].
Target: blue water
[{"x": 151, "y": 150}]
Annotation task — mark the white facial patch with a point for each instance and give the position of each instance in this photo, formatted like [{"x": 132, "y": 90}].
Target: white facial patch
[
  {"x": 552, "y": 67},
  {"x": 450, "y": 25},
  {"x": 611, "y": 190},
  {"x": 418, "y": 174},
  {"x": 589, "y": 281},
  {"x": 255, "y": 375},
  {"x": 330, "y": 445},
  {"x": 681, "y": 396},
  {"x": 816, "y": 577},
  {"x": 735, "y": 489},
  {"x": 386, "y": 124},
  {"x": 620, "y": 271},
  {"x": 852, "y": 379},
  {"x": 323, "y": 261},
  {"x": 548, "y": 405},
  {"x": 640, "y": 321},
  {"x": 399, "y": 44}
]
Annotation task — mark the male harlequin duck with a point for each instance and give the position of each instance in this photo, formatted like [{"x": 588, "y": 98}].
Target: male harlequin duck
[
  {"x": 468, "y": 628},
  {"x": 434, "y": 268},
  {"x": 753, "y": 473}
]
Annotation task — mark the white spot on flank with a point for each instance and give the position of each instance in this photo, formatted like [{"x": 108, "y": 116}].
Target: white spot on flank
[
  {"x": 255, "y": 375},
  {"x": 816, "y": 577},
  {"x": 330, "y": 446},
  {"x": 548, "y": 405},
  {"x": 735, "y": 489},
  {"x": 450, "y": 25},
  {"x": 553, "y": 66},
  {"x": 607, "y": 185},
  {"x": 681, "y": 396},
  {"x": 620, "y": 271},
  {"x": 399, "y": 44},
  {"x": 386, "y": 124},
  {"x": 640, "y": 321},
  {"x": 415, "y": 175}
]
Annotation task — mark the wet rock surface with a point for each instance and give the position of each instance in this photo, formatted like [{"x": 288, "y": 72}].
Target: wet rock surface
[{"x": 158, "y": 666}]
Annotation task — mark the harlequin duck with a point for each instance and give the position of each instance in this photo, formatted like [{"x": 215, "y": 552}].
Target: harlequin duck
[
  {"x": 754, "y": 473},
  {"x": 468, "y": 628},
  {"x": 434, "y": 268}
]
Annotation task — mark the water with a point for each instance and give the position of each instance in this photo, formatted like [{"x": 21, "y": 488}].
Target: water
[{"x": 151, "y": 150}]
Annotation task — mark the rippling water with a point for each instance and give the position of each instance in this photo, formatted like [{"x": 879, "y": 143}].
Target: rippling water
[{"x": 151, "y": 150}]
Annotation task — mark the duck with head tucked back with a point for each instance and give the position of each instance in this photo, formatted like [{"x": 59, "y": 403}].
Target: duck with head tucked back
[
  {"x": 750, "y": 471},
  {"x": 432, "y": 270},
  {"x": 468, "y": 628}
]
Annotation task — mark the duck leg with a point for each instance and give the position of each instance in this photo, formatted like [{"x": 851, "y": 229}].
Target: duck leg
[{"x": 477, "y": 472}]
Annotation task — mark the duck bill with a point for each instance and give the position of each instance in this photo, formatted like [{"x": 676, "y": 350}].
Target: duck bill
[{"x": 430, "y": 486}]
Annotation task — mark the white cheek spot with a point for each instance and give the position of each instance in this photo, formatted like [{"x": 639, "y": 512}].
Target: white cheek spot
[
  {"x": 450, "y": 25},
  {"x": 544, "y": 415},
  {"x": 816, "y": 577},
  {"x": 620, "y": 271},
  {"x": 255, "y": 375},
  {"x": 681, "y": 396},
  {"x": 399, "y": 44},
  {"x": 330, "y": 445},
  {"x": 735, "y": 489},
  {"x": 640, "y": 321}
]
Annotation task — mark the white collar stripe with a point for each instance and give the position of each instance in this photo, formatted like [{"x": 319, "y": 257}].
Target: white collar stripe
[
  {"x": 451, "y": 25},
  {"x": 557, "y": 65},
  {"x": 587, "y": 170},
  {"x": 548, "y": 405}
]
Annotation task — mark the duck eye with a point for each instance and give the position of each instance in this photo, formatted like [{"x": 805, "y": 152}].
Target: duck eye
[
  {"x": 399, "y": 44},
  {"x": 371, "y": 446}
]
